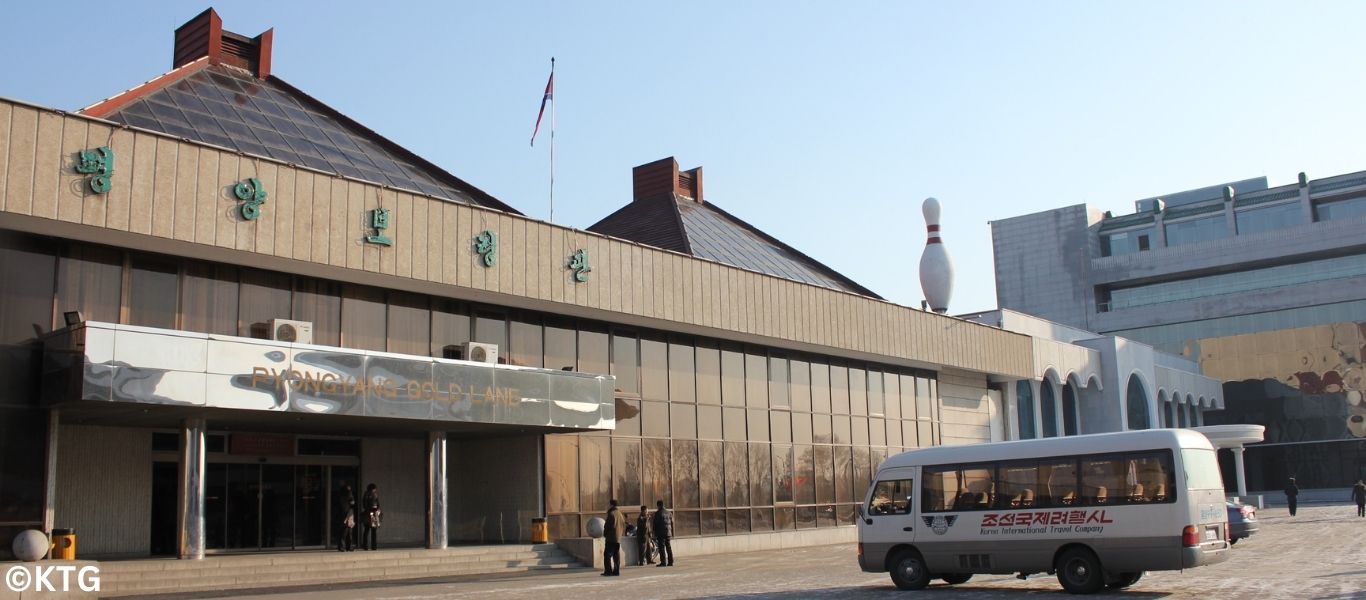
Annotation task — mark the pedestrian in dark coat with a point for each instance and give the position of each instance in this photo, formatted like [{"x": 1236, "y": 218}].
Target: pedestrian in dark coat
[
  {"x": 1359, "y": 496},
  {"x": 612, "y": 530},
  {"x": 1292, "y": 492},
  {"x": 370, "y": 518},
  {"x": 663, "y": 525},
  {"x": 645, "y": 548},
  {"x": 345, "y": 510}
]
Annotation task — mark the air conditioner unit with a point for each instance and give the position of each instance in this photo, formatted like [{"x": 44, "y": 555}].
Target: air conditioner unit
[
  {"x": 285, "y": 330},
  {"x": 484, "y": 353}
]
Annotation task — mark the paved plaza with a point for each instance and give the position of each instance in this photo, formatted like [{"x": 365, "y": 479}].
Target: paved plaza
[{"x": 1318, "y": 554}]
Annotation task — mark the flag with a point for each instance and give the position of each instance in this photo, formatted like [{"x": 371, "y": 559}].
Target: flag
[{"x": 548, "y": 97}]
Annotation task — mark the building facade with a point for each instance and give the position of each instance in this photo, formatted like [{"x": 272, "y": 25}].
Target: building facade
[
  {"x": 223, "y": 300},
  {"x": 1264, "y": 287}
]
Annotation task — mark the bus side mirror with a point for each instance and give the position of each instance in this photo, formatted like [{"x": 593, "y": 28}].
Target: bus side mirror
[{"x": 859, "y": 510}]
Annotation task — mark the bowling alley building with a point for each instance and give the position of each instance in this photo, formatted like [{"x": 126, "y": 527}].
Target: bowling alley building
[{"x": 221, "y": 300}]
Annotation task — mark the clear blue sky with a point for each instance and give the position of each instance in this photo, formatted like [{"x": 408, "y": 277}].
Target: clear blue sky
[{"x": 825, "y": 127}]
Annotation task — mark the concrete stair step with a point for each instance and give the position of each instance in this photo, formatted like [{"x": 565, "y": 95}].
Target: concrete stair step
[
  {"x": 525, "y": 560},
  {"x": 309, "y": 578}
]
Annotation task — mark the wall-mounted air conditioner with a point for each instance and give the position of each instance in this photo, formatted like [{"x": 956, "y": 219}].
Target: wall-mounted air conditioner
[
  {"x": 484, "y": 353},
  {"x": 285, "y": 330}
]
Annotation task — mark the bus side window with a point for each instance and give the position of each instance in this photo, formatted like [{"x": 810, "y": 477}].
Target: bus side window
[{"x": 891, "y": 498}]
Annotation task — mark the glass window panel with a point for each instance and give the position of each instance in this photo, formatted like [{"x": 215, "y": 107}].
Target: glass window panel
[
  {"x": 686, "y": 493},
  {"x": 844, "y": 474},
  {"x": 820, "y": 388},
  {"x": 628, "y": 417},
  {"x": 592, "y": 351},
  {"x": 626, "y": 362},
  {"x": 1048, "y": 409},
  {"x": 825, "y": 516},
  {"x": 90, "y": 280},
  {"x": 1137, "y": 400},
  {"x": 876, "y": 403},
  {"x": 858, "y": 430},
  {"x": 319, "y": 302},
  {"x": 925, "y": 433},
  {"x": 1127, "y": 242},
  {"x": 804, "y": 475},
  {"x": 410, "y": 324},
  {"x": 863, "y": 471},
  {"x": 626, "y": 470},
  {"x": 784, "y": 519},
  {"x": 733, "y": 424},
  {"x": 877, "y": 431},
  {"x": 654, "y": 369},
  {"x": 1197, "y": 230},
  {"x": 595, "y": 468},
  {"x": 28, "y": 269},
  {"x": 709, "y": 422},
  {"x": 711, "y": 462},
  {"x": 363, "y": 321},
  {"x": 686, "y": 523},
  {"x": 562, "y": 473},
  {"x": 858, "y": 392},
  {"x": 152, "y": 292},
  {"x": 821, "y": 431},
  {"x": 761, "y": 475},
  {"x": 683, "y": 421},
  {"x": 893, "y": 429},
  {"x": 842, "y": 429},
  {"x": 708, "y": 375},
  {"x": 1057, "y": 483},
  {"x": 265, "y": 296},
  {"x": 525, "y": 342},
  {"x": 1102, "y": 480},
  {"x": 561, "y": 346},
  {"x": 761, "y": 519},
  {"x": 825, "y": 474},
  {"x": 737, "y": 521},
  {"x": 209, "y": 299},
  {"x": 758, "y": 425},
  {"x": 1340, "y": 209},
  {"x": 654, "y": 417},
  {"x": 713, "y": 522},
  {"x": 801, "y": 385},
  {"x": 1268, "y": 218},
  {"x": 806, "y": 517},
  {"x": 1280, "y": 276},
  {"x": 908, "y": 435},
  {"x": 891, "y": 394},
  {"x": 682, "y": 373},
  {"x": 657, "y": 483},
  {"x": 801, "y": 428},
  {"x": 780, "y": 422},
  {"x": 923, "y": 400},
  {"x": 756, "y": 380},
  {"x": 732, "y": 378},
  {"x": 908, "y": 403},
  {"x": 737, "y": 474},
  {"x": 450, "y": 328},
  {"x": 777, "y": 382},
  {"x": 839, "y": 390},
  {"x": 491, "y": 328},
  {"x": 782, "y": 473}
]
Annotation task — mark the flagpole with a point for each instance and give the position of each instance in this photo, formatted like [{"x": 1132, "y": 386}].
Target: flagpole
[{"x": 552, "y": 144}]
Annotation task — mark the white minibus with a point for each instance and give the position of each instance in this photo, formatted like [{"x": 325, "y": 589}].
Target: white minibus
[{"x": 1097, "y": 510}]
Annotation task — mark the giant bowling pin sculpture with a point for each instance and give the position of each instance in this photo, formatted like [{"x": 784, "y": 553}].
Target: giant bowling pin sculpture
[{"x": 936, "y": 268}]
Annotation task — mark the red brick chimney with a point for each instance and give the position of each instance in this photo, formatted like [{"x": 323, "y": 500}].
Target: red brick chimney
[
  {"x": 663, "y": 177},
  {"x": 204, "y": 36}
]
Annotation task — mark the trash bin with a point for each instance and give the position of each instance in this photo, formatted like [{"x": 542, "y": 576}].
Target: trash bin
[
  {"x": 540, "y": 533},
  {"x": 64, "y": 544}
]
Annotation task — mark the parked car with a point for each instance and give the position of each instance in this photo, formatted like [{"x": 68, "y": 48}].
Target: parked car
[{"x": 1242, "y": 521}]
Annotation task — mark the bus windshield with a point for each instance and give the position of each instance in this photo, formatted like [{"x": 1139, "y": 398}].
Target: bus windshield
[{"x": 1202, "y": 469}]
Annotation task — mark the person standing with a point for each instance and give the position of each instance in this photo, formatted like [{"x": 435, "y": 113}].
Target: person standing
[
  {"x": 644, "y": 545},
  {"x": 345, "y": 511},
  {"x": 612, "y": 530},
  {"x": 370, "y": 518},
  {"x": 1359, "y": 496},
  {"x": 663, "y": 524},
  {"x": 1292, "y": 492}
]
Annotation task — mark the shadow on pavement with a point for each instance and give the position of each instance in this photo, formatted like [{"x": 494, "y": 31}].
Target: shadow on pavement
[
  {"x": 943, "y": 591},
  {"x": 356, "y": 585}
]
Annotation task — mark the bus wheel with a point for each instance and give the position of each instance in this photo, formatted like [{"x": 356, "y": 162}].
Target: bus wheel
[
  {"x": 909, "y": 572},
  {"x": 1079, "y": 571},
  {"x": 957, "y": 578},
  {"x": 1124, "y": 580}
]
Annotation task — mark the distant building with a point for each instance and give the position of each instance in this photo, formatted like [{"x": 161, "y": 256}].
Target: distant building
[{"x": 1264, "y": 287}]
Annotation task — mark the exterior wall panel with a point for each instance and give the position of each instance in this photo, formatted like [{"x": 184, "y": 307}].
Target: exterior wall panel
[
  {"x": 113, "y": 467},
  {"x": 19, "y": 170},
  {"x": 398, "y": 469}
]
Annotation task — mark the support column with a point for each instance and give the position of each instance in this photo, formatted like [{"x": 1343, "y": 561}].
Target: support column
[
  {"x": 191, "y": 488},
  {"x": 50, "y": 493},
  {"x": 437, "y": 535},
  {"x": 1238, "y": 469}
]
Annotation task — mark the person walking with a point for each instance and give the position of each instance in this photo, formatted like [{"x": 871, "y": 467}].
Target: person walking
[
  {"x": 663, "y": 525},
  {"x": 1359, "y": 496},
  {"x": 645, "y": 549},
  {"x": 345, "y": 512},
  {"x": 370, "y": 518},
  {"x": 612, "y": 530},
  {"x": 1292, "y": 492}
]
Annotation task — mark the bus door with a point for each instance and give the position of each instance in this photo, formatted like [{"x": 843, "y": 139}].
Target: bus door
[{"x": 890, "y": 509}]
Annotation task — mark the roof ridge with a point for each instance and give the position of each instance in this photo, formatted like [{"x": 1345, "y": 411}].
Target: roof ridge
[{"x": 119, "y": 100}]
